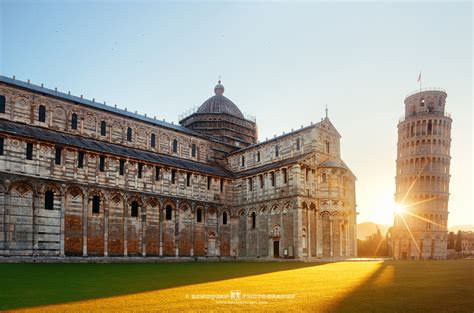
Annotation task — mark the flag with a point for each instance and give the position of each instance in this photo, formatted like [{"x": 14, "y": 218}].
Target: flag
[{"x": 419, "y": 77}]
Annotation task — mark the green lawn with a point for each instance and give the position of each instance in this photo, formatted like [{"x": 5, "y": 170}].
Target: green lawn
[{"x": 431, "y": 286}]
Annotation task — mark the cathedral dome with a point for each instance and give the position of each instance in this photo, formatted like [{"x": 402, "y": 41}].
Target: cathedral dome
[{"x": 220, "y": 104}]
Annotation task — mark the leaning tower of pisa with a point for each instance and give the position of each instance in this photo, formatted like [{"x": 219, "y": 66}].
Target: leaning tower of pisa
[{"x": 422, "y": 178}]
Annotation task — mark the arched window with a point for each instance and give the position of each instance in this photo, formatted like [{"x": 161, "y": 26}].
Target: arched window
[
  {"x": 243, "y": 161},
  {"x": 103, "y": 128},
  {"x": 327, "y": 146},
  {"x": 285, "y": 176},
  {"x": 324, "y": 178},
  {"x": 298, "y": 144},
  {"x": 193, "y": 150},
  {"x": 277, "y": 150},
  {"x": 175, "y": 146},
  {"x": 272, "y": 177},
  {"x": 95, "y": 204},
  {"x": 2, "y": 104},
  {"x": 74, "y": 121},
  {"x": 42, "y": 113},
  {"x": 430, "y": 127},
  {"x": 49, "y": 200},
  {"x": 199, "y": 215},
  {"x": 134, "y": 211},
  {"x": 224, "y": 218},
  {"x": 129, "y": 134},
  {"x": 258, "y": 156},
  {"x": 153, "y": 140},
  {"x": 168, "y": 212},
  {"x": 253, "y": 217}
]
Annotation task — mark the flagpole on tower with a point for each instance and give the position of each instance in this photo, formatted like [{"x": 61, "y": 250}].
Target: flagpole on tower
[{"x": 419, "y": 80}]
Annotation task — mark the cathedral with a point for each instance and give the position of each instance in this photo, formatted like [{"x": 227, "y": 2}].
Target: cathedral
[{"x": 85, "y": 179}]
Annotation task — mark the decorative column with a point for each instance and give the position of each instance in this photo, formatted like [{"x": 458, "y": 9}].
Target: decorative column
[
  {"x": 282, "y": 235},
  {"x": 125, "y": 228},
  {"x": 193, "y": 210},
  {"x": 269, "y": 234},
  {"x": 160, "y": 227},
  {"x": 34, "y": 230},
  {"x": 218, "y": 235},
  {"x": 106, "y": 228},
  {"x": 308, "y": 233},
  {"x": 144, "y": 237},
  {"x": 340, "y": 236},
  {"x": 246, "y": 234},
  {"x": 299, "y": 229},
  {"x": 61, "y": 221},
  {"x": 84, "y": 224},
  {"x": 257, "y": 226},
  {"x": 330, "y": 234},
  {"x": 316, "y": 229},
  {"x": 206, "y": 230},
  {"x": 176, "y": 230},
  {"x": 6, "y": 217}
]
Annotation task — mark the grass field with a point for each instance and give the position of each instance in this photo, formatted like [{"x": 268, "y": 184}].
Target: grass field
[{"x": 436, "y": 286}]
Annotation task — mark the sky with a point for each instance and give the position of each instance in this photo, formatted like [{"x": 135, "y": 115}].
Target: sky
[{"x": 279, "y": 61}]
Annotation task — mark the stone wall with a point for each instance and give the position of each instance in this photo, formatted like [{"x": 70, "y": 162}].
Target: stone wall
[{"x": 23, "y": 106}]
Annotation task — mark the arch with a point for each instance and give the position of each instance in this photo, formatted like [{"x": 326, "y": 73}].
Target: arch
[
  {"x": 253, "y": 219},
  {"x": 42, "y": 113},
  {"x": 153, "y": 202},
  {"x": 169, "y": 207},
  {"x": 96, "y": 203},
  {"x": 274, "y": 210},
  {"x": 140, "y": 137},
  {"x": 153, "y": 140},
  {"x": 74, "y": 121},
  {"x": 174, "y": 145},
  {"x": 59, "y": 118},
  {"x": 50, "y": 186},
  {"x": 304, "y": 240},
  {"x": 117, "y": 132},
  {"x": 225, "y": 216},
  {"x": 49, "y": 200},
  {"x": 74, "y": 191},
  {"x": 89, "y": 124},
  {"x": 199, "y": 215},
  {"x": 103, "y": 128},
  {"x": 134, "y": 208},
  {"x": 2, "y": 102},
  {"x": 275, "y": 231}
]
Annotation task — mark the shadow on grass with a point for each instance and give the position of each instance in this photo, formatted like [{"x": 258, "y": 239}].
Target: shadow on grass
[
  {"x": 26, "y": 285},
  {"x": 414, "y": 286}
]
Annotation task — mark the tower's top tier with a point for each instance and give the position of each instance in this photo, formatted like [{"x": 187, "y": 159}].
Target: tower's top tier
[{"x": 428, "y": 101}]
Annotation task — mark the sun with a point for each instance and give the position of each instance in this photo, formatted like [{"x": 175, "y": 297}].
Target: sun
[{"x": 398, "y": 209}]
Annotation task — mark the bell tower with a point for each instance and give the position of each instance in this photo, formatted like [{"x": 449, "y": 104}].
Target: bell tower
[{"x": 422, "y": 178}]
